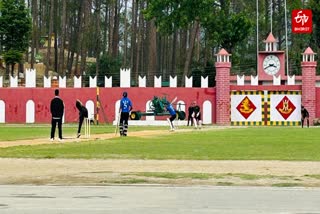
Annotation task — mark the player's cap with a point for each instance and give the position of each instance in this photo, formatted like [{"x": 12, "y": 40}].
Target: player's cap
[{"x": 125, "y": 94}]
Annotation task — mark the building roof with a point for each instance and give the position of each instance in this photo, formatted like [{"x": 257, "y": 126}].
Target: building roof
[
  {"x": 223, "y": 52},
  {"x": 309, "y": 51},
  {"x": 270, "y": 39}
]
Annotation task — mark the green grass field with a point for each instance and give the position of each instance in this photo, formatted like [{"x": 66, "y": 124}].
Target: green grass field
[{"x": 253, "y": 143}]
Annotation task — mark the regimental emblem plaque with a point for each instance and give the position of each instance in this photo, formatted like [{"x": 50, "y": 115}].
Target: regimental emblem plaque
[
  {"x": 246, "y": 107},
  {"x": 285, "y": 107}
]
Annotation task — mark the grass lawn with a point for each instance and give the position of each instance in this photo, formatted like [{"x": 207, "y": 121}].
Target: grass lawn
[{"x": 253, "y": 143}]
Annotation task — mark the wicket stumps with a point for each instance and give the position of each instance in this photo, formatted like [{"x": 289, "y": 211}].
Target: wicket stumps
[{"x": 87, "y": 127}]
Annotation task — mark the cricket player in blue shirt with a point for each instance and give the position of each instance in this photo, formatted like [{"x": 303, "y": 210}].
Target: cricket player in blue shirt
[
  {"x": 172, "y": 112},
  {"x": 125, "y": 109}
]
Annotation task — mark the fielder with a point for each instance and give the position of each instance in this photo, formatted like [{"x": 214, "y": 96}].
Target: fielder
[
  {"x": 125, "y": 109},
  {"x": 304, "y": 115}
]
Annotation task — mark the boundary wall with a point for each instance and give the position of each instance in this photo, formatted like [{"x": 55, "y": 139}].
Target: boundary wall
[
  {"x": 17, "y": 105},
  {"x": 275, "y": 100}
]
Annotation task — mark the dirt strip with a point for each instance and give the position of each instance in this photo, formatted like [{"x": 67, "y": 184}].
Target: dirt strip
[
  {"x": 101, "y": 172},
  {"x": 70, "y": 139},
  {"x": 24, "y": 167}
]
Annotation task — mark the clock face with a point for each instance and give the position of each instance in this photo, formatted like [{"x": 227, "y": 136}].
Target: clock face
[{"x": 271, "y": 64}]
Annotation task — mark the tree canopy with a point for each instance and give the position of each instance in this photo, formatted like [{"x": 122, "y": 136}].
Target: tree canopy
[
  {"x": 15, "y": 28},
  {"x": 151, "y": 37}
]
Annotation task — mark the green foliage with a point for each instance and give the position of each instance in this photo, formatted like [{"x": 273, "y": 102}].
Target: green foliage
[
  {"x": 315, "y": 5},
  {"x": 12, "y": 57},
  {"x": 198, "y": 71},
  {"x": 108, "y": 66},
  {"x": 15, "y": 27},
  {"x": 39, "y": 57},
  {"x": 228, "y": 30},
  {"x": 223, "y": 28},
  {"x": 172, "y": 15}
]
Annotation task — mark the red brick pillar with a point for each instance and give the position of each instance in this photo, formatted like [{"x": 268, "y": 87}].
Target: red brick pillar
[
  {"x": 223, "y": 66},
  {"x": 308, "y": 99}
]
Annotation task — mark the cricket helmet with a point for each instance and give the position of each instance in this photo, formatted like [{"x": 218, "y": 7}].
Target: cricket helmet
[{"x": 125, "y": 94}]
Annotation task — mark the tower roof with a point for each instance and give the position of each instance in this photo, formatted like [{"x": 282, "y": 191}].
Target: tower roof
[
  {"x": 270, "y": 38},
  {"x": 223, "y": 52},
  {"x": 309, "y": 51}
]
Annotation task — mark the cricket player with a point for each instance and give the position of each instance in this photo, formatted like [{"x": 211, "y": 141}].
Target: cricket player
[
  {"x": 125, "y": 109},
  {"x": 173, "y": 115},
  {"x": 190, "y": 112},
  {"x": 57, "y": 111},
  {"x": 196, "y": 116},
  {"x": 304, "y": 115},
  {"x": 83, "y": 113}
]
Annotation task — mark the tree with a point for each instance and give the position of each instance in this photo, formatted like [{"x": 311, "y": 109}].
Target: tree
[
  {"x": 63, "y": 38},
  {"x": 315, "y": 5},
  {"x": 15, "y": 28},
  {"x": 134, "y": 45},
  {"x": 98, "y": 37},
  {"x": 152, "y": 57},
  {"x": 50, "y": 34},
  {"x": 223, "y": 27},
  {"x": 35, "y": 36},
  {"x": 109, "y": 66},
  {"x": 187, "y": 34},
  {"x": 315, "y": 40}
]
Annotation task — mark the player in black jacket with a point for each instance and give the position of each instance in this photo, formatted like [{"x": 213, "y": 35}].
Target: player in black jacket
[
  {"x": 196, "y": 116},
  {"x": 83, "y": 113},
  {"x": 304, "y": 115},
  {"x": 190, "y": 112},
  {"x": 57, "y": 110}
]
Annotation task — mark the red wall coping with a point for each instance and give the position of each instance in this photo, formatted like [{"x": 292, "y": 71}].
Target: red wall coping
[
  {"x": 248, "y": 78},
  {"x": 265, "y": 87}
]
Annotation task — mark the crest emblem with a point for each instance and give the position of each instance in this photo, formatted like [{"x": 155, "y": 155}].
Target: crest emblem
[
  {"x": 285, "y": 107},
  {"x": 246, "y": 107}
]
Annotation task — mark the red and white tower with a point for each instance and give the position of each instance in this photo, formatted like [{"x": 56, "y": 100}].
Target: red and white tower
[
  {"x": 309, "y": 66},
  {"x": 223, "y": 66},
  {"x": 271, "y": 60}
]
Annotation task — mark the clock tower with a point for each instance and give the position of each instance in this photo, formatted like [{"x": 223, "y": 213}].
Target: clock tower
[{"x": 271, "y": 61}]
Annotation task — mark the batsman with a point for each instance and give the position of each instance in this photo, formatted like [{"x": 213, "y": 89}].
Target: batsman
[{"x": 125, "y": 109}]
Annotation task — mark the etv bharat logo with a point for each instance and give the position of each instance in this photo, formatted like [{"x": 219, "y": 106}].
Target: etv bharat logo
[
  {"x": 285, "y": 107},
  {"x": 246, "y": 107},
  {"x": 301, "y": 21}
]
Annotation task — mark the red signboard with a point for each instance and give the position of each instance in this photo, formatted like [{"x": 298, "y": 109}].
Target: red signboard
[{"x": 301, "y": 21}]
